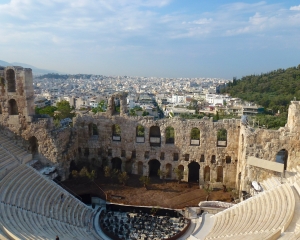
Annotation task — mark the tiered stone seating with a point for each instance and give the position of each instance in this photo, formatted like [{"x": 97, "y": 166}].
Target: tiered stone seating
[
  {"x": 17, "y": 152},
  {"x": 7, "y": 162},
  {"x": 33, "y": 207},
  {"x": 259, "y": 217},
  {"x": 270, "y": 183}
]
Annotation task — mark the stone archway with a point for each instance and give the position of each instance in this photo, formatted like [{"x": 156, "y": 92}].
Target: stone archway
[
  {"x": 128, "y": 166},
  {"x": 194, "y": 168},
  {"x": 116, "y": 163},
  {"x": 154, "y": 166},
  {"x": 12, "y": 107},
  {"x": 282, "y": 157}
]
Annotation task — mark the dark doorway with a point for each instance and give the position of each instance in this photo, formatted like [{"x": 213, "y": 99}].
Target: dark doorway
[
  {"x": 154, "y": 166},
  {"x": 282, "y": 157},
  {"x": 194, "y": 168},
  {"x": 116, "y": 163},
  {"x": 33, "y": 145},
  {"x": 12, "y": 107}
]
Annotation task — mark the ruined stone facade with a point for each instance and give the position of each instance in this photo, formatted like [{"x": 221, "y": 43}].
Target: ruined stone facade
[{"x": 204, "y": 150}]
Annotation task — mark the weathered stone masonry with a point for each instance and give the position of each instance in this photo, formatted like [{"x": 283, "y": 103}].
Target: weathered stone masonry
[{"x": 110, "y": 138}]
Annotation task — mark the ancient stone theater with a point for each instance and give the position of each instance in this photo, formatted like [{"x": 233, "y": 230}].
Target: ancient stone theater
[{"x": 262, "y": 164}]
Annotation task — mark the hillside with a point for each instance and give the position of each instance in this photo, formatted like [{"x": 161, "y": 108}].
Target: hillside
[
  {"x": 273, "y": 90},
  {"x": 35, "y": 70}
]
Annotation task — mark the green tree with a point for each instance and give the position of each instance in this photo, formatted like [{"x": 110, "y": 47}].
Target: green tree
[
  {"x": 145, "y": 113},
  {"x": 179, "y": 174},
  {"x": 64, "y": 109},
  {"x": 107, "y": 172},
  {"x": 101, "y": 107},
  {"x": 49, "y": 110},
  {"x": 195, "y": 134},
  {"x": 162, "y": 174},
  {"x": 140, "y": 131},
  {"x": 145, "y": 180},
  {"x": 123, "y": 177}
]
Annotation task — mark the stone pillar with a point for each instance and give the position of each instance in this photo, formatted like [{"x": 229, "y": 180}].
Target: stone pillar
[{"x": 201, "y": 176}]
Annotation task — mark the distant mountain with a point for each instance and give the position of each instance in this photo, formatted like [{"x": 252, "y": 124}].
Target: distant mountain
[{"x": 35, "y": 70}]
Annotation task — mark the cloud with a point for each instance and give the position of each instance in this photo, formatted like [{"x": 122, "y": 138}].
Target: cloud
[{"x": 295, "y": 8}]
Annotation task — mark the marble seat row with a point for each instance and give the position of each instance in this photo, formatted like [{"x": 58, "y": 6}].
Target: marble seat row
[
  {"x": 266, "y": 212},
  {"x": 19, "y": 153},
  {"x": 7, "y": 162},
  {"x": 270, "y": 183},
  {"x": 30, "y": 202}
]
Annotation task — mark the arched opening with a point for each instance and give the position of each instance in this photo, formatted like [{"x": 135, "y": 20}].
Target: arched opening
[
  {"x": 128, "y": 167},
  {"x": 195, "y": 137},
  {"x": 194, "y": 168},
  {"x": 11, "y": 80},
  {"x": 207, "y": 173},
  {"x": 140, "y": 168},
  {"x": 282, "y": 157},
  {"x": 219, "y": 174},
  {"x": 86, "y": 152},
  {"x": 154, "y": 136},
  {"x": 116, "y": 132},
  {"x": 154, "y": 166},
  {"x": 140, "y": 134},
  {"x": 222, "y": 137},
  {"x": 170, "y": 135},
  {"x": 93, "y": 130},
  {"x": 169, "y": 170},
  {"x": 72, "y": 166},
  {"x": 33, "y": 145},
  {"x": 12, "y": 107},
  {"x": 79, "y": 151},
  {"x": 213, "y": 159},
  {"x": 116, "y": 163}
]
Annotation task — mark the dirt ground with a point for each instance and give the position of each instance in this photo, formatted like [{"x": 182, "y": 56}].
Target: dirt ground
[{"x": 161, "y": 193}]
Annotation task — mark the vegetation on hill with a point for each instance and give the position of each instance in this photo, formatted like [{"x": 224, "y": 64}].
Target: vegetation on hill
[
  {"x": 273, "y": 91},
  {"x": 65, "y": 76}
]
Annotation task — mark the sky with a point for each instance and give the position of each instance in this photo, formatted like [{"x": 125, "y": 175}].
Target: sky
[{"x": 159, "y": 38}]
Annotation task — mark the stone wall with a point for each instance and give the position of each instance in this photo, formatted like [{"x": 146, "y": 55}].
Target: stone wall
[
  {"x": 103, "y": 147},
  {"x": 105, "y": 138}
]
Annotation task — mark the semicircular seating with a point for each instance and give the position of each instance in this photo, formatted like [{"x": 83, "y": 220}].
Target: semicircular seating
[
  {"x": 260, "y": 217},
  {"x": 34, "y": 207}
]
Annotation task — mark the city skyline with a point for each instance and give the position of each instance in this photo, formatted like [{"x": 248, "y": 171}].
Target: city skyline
[{"x": 152, "y": 38}]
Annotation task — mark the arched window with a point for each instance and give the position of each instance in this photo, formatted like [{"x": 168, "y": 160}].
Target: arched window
[
  {"x": 11, "y": 80},
  {"x": 219, "y": 174},
  {"x": 93, "y": 130},
  {"x": 140, "y": 134},
  {"x": 195, "y": 137},
  {"x": 116, "y": 132},
  {"x": 155, "y": 137},
  {"x": 170, "y": 135},
  {"x": 228, "y": 159},
  {"x": 213, "y": 159},
  {"x": 222, "y": 138},
  {"x": 13, "y": 108},
  {"x": 207, "y": 173}
]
